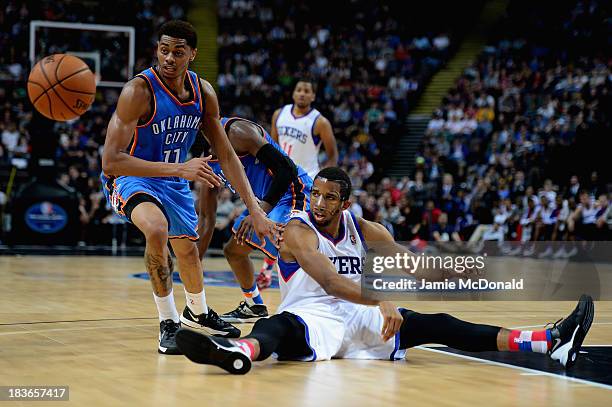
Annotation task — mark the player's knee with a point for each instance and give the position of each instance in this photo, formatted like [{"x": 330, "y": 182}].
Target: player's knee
[
  {"x": 260, "y": 324},
  {"x": 186, "y": 250},
  {"x": 442, "y": 319},
  {"x": 156, "y": 234},
  {"x": 230, "y": 249}
]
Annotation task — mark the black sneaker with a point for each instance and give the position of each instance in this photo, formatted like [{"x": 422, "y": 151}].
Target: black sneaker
[
  {"x": 167, "y": 337},
  {"x": 567, "y": 336},
  {"x": 246, "y": 313},
  {"x": 208, "y": 350},
  {"x": 211, "y": 323}
]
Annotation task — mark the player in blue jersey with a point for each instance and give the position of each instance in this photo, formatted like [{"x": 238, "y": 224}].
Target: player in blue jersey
[
  {"x": 281, "y": 187},
  {"x": 146, "y": 176}
]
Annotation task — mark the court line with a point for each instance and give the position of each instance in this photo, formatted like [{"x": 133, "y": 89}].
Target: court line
[
  {"x": 76, "y": 320},
  {"x": 84, "y": 328},
  {"x": 136, "y": 318},
  {"x": 525, "y": 369}
]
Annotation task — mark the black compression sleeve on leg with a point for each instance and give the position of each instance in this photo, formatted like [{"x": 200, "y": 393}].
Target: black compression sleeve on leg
[
  {"x": 418, "y": 329},
  {"x": 281, "y": 333}
]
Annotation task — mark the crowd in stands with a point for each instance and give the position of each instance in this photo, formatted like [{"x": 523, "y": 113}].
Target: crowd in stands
[
  {"x": 369, "y": 65},
  {"x": 501, "y": 150}
]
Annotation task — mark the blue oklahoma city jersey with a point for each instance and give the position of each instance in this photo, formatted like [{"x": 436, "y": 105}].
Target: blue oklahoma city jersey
[
  {"x": 257, "y": 173},
  {"x": 172, "y": 129},
  {"x": 166, "y": 137}
]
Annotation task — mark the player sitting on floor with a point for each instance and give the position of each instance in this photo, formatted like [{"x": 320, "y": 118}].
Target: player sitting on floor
[{"x": 324, "y": 315}]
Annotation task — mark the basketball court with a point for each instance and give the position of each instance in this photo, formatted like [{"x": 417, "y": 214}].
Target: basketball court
[{"x": 90, "y": 323}]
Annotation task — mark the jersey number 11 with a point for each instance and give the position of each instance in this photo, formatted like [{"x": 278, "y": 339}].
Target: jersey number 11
[{"x": 168, "y": 153}]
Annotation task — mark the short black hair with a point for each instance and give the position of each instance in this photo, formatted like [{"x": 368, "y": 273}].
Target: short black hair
[
  {"x": 179, "y": 29},
  {"x": 337, "y": 175},
  {"x": 311, "y": 81}
]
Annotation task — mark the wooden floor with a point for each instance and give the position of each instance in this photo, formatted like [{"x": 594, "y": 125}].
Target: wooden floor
[{"x": 83, "y": 322}]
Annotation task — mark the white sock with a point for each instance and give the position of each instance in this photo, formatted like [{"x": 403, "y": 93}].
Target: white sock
[
  {"x": 197, "y": 302},
  {"x": 166, "y": 307}
]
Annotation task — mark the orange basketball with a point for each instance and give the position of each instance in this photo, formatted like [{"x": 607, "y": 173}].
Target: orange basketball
[{"x": 61, "y": 87}]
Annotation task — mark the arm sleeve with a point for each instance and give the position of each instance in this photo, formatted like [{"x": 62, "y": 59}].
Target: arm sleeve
[{"x": 283, "y": 171}]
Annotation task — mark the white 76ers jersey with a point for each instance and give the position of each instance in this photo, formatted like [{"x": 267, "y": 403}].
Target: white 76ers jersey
[
  {"x": 347, "y": 253},
  {"x": 296, "y": 138}
]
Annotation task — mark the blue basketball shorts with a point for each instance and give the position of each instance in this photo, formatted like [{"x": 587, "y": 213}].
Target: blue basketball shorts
[
  {"x": 172, "y": 194},
  {"x": 290, "y": 202}
]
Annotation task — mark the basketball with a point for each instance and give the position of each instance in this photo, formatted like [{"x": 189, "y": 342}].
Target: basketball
[{"x": 61, "y": 87}]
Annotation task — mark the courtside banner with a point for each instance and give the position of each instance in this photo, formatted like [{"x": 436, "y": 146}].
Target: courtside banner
[{"x": 489, "y": 271}]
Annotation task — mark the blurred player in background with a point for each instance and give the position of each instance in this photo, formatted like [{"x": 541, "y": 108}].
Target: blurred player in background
[
  {"x": 300, "y": 130},
  {"x": 146, "y": 178},
  {"x": 323, "y": 313},
  {"x": 281, "y": 187}
]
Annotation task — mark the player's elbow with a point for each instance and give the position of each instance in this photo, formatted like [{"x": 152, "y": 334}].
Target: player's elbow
[
  {"x": 108, "y": 166},
  {"x": 109, "y": 163}
]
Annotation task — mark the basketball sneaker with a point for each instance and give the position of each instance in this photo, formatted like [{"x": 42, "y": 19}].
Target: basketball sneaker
[
  {"x": 167, "y": 337},
  {"x": 210, "y": 322},
  {"x": 246, "y": 313},
  {"x": 209, "y": 350},
  {"x": 568, "y": 335}
]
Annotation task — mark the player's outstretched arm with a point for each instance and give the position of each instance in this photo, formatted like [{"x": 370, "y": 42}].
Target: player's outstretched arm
[
  {"x": 273, "y": 129},
  {"x": 208, "y": 217},
  {"x": 232, "y": 168},
  {"x": 323, "y": 129},
  {"x": 133, "y": 104}
]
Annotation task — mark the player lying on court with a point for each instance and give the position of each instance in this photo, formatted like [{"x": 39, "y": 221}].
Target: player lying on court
[
  {"x": 281, "y": 188},
  {"x": 323, "y": 314},
  {"x": 146, "y": 178}
]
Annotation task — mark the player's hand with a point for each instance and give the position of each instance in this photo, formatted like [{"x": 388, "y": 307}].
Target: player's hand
[
  {"x": 197, "y": 169},
  {"x": 265, "y": 227},
  {"x": 392, "y": 320},
  {"x": 244, "y": 230}
]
